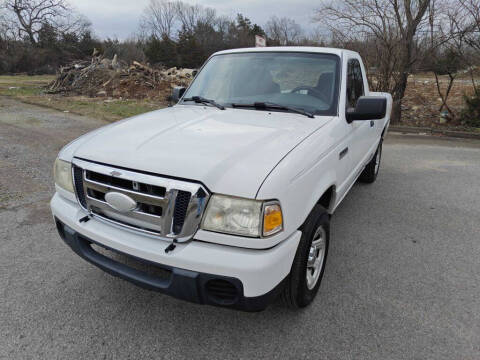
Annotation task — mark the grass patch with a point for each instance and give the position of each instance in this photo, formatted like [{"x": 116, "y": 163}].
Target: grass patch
[
  {"x": 129, "y": 108},
  {"x": 30, "y": 89},
  {"x": 110, "y": 110},
  {"x": 25, "y": 80},
  {"x": 23, "y": 86},
  {"x": 21, "y": 92}
]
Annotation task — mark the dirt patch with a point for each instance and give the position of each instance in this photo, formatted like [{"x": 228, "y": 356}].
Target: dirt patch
[
  {"x": 30, "y": 138},
  {"x": 421, "y": 105}
]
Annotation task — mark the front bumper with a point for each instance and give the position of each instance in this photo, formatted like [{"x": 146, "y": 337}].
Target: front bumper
[{"x": 195, "y": 267}]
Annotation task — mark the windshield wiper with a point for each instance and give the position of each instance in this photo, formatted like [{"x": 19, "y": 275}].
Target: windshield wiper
[
  {"x": 202, "y": 100},
  {"x": 273, "y": 106}
]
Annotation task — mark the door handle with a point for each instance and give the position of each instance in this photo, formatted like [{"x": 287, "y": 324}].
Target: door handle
[
  {"x": 372, "y": 123},
  {"x": 343, "y": 153}
]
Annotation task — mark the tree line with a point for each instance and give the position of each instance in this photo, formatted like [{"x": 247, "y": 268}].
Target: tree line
[
  {"x": 395, "y": 38},
  {"x": 399, "y": 37},
  {"x": 37, "y": 36}
]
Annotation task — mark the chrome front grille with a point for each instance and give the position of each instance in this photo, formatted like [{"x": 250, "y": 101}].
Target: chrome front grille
[{"x": 167, "y": 208}]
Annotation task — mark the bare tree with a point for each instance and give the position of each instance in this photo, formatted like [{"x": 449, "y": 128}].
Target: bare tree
[
  {"x": 222, "y": 24},
  {"x": 317, "y": 37},
  {"x": 390, "y": 25},
  {"x": 4, "y": 25},
  {"x": 471, "y": 31},
  {"x": 191, "y": 16},
  {"x": 162, "y": 18},
  {"x": 159, "y": 18},
  {"x": 32, "y": 15},
  {"x": 446, "y": 44},
  {"x": 464, "y": 17},
  {"x": 283, "y": 30}
]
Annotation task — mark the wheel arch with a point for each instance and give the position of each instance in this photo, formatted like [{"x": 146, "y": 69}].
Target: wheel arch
[
  {"x": 328, "y": 198},
  {"x": 324, "y": 193}
]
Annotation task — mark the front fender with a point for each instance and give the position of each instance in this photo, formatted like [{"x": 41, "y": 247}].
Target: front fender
[{"x": 302, "y": 177}]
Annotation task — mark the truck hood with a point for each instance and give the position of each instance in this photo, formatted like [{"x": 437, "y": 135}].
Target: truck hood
[{"x": 230, "y": 151}]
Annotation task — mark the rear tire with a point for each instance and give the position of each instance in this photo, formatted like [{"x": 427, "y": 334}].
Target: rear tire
[
  {"x": 308, "y": 266},
  {"x": 369, "y": 174}
]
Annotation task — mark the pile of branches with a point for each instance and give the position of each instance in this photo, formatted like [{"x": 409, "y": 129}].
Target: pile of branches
[{"x": 113, "y": 78}]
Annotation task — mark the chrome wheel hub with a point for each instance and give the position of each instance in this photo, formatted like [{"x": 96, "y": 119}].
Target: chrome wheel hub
[{"x": 316, "y": 257}]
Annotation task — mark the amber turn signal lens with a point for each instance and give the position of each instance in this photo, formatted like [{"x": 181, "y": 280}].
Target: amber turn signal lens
[{"x": 272, "y": 220}]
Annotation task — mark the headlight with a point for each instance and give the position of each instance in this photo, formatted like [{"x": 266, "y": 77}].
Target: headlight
[
  {"x": 245, "y": 217},
  {"x": 63, "y": 175}
]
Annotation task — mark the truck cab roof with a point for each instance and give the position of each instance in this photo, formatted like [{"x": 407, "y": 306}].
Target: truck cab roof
[{"x": 306, "y": 49}]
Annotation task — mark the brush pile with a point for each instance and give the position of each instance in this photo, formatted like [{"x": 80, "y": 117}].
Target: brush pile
[{"x": 113, "y": 78}]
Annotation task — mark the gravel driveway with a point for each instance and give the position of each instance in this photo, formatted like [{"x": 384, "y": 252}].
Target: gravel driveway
[{"x": 402, "y": 278}]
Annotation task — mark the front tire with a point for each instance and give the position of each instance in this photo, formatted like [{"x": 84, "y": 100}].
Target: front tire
[
  {"x": 309, "y": 264},
  {"x": 369, "y": 174}
]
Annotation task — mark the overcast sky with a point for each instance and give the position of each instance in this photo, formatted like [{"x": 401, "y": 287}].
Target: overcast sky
[{"x": 119, "y": 18}]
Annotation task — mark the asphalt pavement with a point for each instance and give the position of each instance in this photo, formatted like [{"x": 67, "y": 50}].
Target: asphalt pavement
[{"x": 402, "y": 278}]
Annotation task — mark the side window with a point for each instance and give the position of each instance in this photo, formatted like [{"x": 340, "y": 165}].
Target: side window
[{"x": 354, "y": 83}]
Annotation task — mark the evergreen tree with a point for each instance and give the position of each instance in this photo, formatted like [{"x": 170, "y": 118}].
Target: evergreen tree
[{"x": 161, "y": 51}]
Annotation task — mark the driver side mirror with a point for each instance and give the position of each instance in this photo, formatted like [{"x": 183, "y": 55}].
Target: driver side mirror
[
  {"x": 368, "y": 108},
  {"x": 177, "y": 93}
]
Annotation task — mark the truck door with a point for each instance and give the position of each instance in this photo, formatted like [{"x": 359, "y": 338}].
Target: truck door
[{"x": 360, "y": 132}]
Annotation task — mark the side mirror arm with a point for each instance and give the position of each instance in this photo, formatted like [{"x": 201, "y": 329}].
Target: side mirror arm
[
  {"x": 177, "y": 93},
  {"x": 350, "y": 115}
]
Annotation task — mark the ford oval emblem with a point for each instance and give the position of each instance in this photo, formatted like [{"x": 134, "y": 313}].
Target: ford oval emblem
[{"x": 120, "y": 202}]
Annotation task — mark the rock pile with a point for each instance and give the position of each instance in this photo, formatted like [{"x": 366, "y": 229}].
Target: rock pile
[{"x": 114, "y": 78}]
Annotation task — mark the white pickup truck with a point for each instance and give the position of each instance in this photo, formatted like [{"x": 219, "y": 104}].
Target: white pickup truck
[{"x": 225, "y": 198}]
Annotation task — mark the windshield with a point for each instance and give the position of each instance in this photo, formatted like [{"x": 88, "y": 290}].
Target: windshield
[{"x": 306, "y": 81}]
